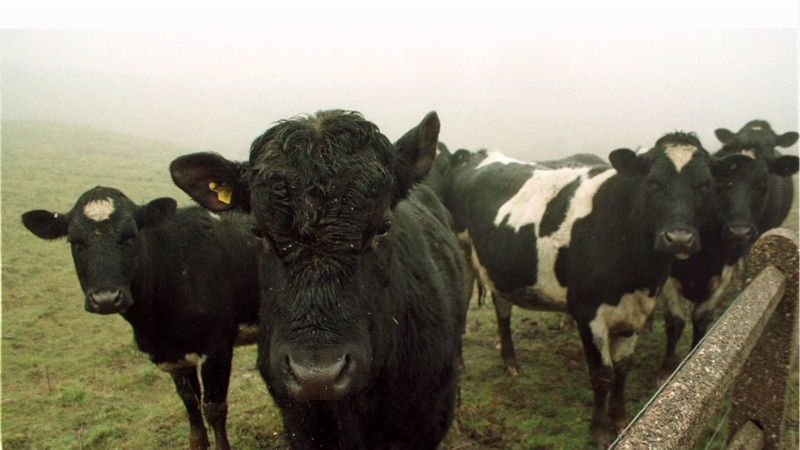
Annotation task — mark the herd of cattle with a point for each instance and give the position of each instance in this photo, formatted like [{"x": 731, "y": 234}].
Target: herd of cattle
[{"x": 351, "y": 260}]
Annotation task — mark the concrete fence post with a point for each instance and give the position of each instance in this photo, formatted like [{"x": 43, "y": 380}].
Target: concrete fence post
[
  {"x": 761, "y": 388},
  {"x": 748, "y": 353}
]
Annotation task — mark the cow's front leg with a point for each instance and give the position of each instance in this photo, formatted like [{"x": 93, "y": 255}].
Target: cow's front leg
[
  {"x": 616, "y": 403},
  {"x": 188, "y": 387},
  {"x": 216, "y": 370},
  {"x": 601, "y": 377},
  {"x": 673, "y": 326}
]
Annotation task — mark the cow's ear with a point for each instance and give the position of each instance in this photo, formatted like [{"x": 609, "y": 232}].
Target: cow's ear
[
  {"x": 417, "y": 148},
  {"x": 784, "y": 165},
  {"x": 212, "y": 181},
  {"x": 46, "y": 224},
  {"x": 156, "y": 212},
  {"x": 627, "y": 162},
  {"x": 786, "y": 139},
  {"x": 723, "y": 134}
]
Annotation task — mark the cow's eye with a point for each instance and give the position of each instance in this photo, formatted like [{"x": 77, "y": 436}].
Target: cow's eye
[
  {"x": 77, "y": 244},
  {"x": 127, "y": 239},
  {"x": 256, "y": 231},
  {"x": 384, "y": 228},
  {"x": 654, "y": 184}
]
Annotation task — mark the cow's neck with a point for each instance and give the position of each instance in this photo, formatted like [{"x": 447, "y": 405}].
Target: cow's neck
[
  {"x": 141, "y": 314},
  {"x": 654, "y": 268}
]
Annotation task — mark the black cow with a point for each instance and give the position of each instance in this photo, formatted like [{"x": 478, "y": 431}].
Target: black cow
[
  {"x": 780, "y": 188},
  {"x": 185, "y": 279},
  {"x": 582, "y": 238},
  {"x": 362, "y": 278},
  {"x": 698, "y": 285}
]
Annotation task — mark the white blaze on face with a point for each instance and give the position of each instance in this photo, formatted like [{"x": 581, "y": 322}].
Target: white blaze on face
[
  {"x": 680, "y": 155},
  {"x": 99, "y": 210},
  {"x": 630, "y": 314},
  {"x": 749, "y": 153}
]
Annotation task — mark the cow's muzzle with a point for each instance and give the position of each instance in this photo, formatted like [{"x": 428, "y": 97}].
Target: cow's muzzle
[
  {"x": 681, "y": 242},
  {"x": 740, "y": 233},
  {"x": 106, "y": 301},
  {"x": 319, "y": 373}
]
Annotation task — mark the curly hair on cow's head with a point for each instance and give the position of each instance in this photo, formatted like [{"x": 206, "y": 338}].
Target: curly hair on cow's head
[{"x": 320, "y": 180}]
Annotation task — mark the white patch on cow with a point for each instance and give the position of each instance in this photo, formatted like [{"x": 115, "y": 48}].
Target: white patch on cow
[
  {"x": 189, "y": 360},
  {"x": 630, "y": 315},
  {"x": 719, "y": 286},
  {"x": 473, "y": 259},
  {"x": 670, "y": 299},
  {"x": 528, "y": 207},
  {"x": 750, "y": 153},
  {"x": 680, "y": 155},
  {"x": 756, "y": 128},
  {"x": 99, "y": 210},
  {"x": 499, "y": 158},
  {"x": 214, "y": 215}
]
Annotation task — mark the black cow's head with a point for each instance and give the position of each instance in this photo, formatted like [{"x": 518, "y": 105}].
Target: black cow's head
[
  {"x": 103, "y": 230},
  {"x": 322, "y": 190},
  {"x": 741, "y": 174},
  {"x": 758, "y": 132},
  {"x": 674, "y": 190},
  {"x": 446, "y": 167}
]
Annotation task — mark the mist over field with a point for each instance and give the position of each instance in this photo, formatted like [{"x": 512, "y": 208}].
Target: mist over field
[
  {"x": 89, "y": 95},
  {"x": 536, "y": 93}
]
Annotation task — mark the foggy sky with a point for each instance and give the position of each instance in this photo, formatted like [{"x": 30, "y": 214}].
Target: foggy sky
[{"x": 533, "y": 92}]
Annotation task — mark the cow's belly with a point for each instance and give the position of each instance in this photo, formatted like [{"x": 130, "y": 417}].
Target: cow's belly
[
  {"x": 535, "y": 298},
  {"x": 548, "y": 295}
]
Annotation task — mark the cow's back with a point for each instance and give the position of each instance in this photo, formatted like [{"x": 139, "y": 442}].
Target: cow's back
[
  {"x": 202, "y": 267},
  {"x": 519, "y": 229}
]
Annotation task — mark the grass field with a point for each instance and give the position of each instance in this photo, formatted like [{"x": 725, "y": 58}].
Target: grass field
[{"x": 74, "y": 380}]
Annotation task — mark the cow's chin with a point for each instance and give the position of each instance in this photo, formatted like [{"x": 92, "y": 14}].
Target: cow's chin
[
  {"x": 326, "y": 393},
  {"x": 682, "y": 256},
  {"x": 106, "y": 311}
]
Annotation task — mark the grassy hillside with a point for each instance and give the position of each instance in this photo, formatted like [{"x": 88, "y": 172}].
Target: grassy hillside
[
  {"x": 74, "y": 380},
  {"x": 71, "y": 379}
]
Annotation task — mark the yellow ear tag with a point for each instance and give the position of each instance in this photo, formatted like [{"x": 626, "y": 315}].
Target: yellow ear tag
[{"x": 224, "y": 192}]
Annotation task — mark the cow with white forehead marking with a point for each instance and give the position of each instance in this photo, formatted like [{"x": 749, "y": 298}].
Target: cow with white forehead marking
[
  {"x": 780, "y": 188},
  {"x": 186, "y": 281},
  {"x": 579, "y": 236},
  {"x": 752, "y": 192},
  {"x": 363, "y": 298}
]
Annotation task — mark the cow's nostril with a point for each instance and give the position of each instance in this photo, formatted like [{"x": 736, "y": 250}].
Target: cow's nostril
[{"x": 679, "y": 236}]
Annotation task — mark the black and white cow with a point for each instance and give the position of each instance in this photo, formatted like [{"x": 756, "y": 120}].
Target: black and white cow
[
  {"x": 362, "y": 278},
  {"x": 744, "y": 174},
  {"x": 583, "y": 238},
  {"x": 185, "y": 279}
]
